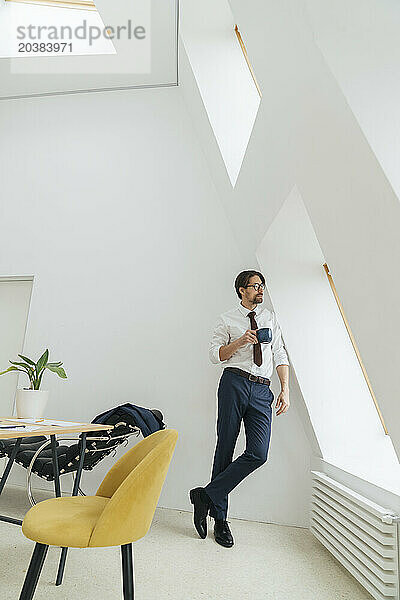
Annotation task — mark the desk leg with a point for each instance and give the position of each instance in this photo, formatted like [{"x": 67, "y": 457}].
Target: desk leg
[
  {"x": 80, "y": 466},
  {"x": 7, "y": 470},
  {"x": 57, "y": 487},
  {"x": 75, "y": 490},
  {"x": 4, "y": 478}
]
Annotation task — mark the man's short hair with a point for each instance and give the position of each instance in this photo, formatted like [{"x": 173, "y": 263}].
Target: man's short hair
[{"x": 242, "y": 280}]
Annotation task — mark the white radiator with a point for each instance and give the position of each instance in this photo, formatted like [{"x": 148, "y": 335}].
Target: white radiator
[{"x": 362, "y": 535}]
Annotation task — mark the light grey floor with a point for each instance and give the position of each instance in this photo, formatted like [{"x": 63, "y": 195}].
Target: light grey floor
[{"x": 268, "y": 562}]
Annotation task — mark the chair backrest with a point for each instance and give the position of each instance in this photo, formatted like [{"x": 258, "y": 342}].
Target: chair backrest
[{"x": 134, "y": 486}]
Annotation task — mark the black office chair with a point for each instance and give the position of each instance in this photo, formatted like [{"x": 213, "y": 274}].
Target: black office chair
[{"x": 35, "y": 453}]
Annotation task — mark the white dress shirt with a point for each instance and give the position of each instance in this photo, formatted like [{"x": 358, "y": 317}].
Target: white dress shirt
[{"x": 232, "y": 325}]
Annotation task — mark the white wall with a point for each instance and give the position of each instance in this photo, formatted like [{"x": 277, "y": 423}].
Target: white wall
[{"x": 107, "y": 200}]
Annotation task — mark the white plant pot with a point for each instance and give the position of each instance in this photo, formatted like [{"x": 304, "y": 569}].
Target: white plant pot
[{"x": 31, "y": 403}]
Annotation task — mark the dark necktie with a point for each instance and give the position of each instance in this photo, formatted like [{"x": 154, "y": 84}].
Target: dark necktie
[{"x": 256, "y": 347}]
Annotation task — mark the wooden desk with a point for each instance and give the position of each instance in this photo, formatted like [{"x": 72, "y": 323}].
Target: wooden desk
[{"x": 44, "y": 430}]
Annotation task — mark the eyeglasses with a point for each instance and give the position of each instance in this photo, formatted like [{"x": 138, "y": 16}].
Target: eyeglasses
[{"x": 257, "y": 286}]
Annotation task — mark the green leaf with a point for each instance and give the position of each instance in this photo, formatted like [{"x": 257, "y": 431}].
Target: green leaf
[
  {"x": 11, "y": 369},
  {"x": 56, "y": 364},
  {"x": 28, "y": 360},
  {"x": 20, "y": 364},
  {"x": 30, "y": 371},
  {"x": 59, "y": 370},
  {"x": 41, "y": 363}
]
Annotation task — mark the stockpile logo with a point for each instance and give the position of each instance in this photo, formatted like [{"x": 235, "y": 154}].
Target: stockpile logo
[{"x": 55, "y": 38}]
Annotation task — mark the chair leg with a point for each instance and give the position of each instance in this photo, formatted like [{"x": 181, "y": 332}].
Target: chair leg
[
  {"x": 64, "y": 551},
  {"x": 61, "y": 566},
  {"x": 127, "y": 572},
  {"x": 34, "y": 570},
  {"x": 10, "y": 462}
]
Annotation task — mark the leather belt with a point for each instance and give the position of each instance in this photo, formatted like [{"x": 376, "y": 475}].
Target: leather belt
[{"x": 249, "y": 376}]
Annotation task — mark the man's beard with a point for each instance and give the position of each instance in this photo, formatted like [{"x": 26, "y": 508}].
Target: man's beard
[{"x": 258, "y": 299}]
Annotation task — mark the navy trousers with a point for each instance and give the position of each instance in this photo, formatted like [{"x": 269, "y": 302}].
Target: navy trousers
[{"x": 238, "y": 398}]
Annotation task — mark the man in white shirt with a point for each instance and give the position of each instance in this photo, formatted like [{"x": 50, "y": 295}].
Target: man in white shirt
[{"x": 243, "y": 393}]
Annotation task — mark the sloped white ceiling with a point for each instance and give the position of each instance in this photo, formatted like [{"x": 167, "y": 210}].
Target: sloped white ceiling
[
  {"x": 360, "y": 43},
  {"x": 158, "y": 65}
]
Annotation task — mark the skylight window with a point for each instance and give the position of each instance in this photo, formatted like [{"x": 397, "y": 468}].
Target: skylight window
[
  {"x": 344, "y": 414},
  {"x": 120, "y": 45},
  {"x": 43, "y": 28},
  {"x": 353, "y": 343},
  {"x": 224, "y": 76},
  {"x": 247, "y": 59}
]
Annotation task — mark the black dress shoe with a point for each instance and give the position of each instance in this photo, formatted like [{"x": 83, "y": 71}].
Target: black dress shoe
[
  {"x": 222, "y": 533},
  {"x": 201, "y": 503}
]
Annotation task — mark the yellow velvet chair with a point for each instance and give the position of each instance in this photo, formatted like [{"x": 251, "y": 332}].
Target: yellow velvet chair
[{"x": 120, "y": 513}]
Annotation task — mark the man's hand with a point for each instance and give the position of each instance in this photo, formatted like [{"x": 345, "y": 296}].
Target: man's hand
[
  {"x": 225, "y": 352},
  {"x": 249, "y": 337},
  {"x": 282, "y": 403}
]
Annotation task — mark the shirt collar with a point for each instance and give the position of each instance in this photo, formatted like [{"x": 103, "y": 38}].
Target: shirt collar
[{"x": 245, "y": 311}]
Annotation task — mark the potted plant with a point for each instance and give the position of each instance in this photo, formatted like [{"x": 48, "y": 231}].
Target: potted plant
[{"x": 32, "y": 401}]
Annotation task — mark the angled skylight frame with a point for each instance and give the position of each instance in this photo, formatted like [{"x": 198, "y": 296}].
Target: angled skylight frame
[
  {"x": 355, "y": 347},
  {"x": 246, "y": 56}
]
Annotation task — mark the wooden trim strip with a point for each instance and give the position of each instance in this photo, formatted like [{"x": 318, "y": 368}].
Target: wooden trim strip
[
  {"x": 77, "y": 4},
  {"x": 246, "y": 56},
  {"x": 363, "y": 369}
]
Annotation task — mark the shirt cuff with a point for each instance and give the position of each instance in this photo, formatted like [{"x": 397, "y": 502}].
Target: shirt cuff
[
  {"x": 281, "y": 358},
  {"x": 214, "y": 355}
]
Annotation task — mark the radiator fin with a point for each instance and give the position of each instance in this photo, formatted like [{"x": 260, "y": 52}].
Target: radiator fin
[{"x": 350, "y": 526}]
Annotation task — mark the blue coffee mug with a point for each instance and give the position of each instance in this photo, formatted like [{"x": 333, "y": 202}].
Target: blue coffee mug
[{"x": 264, "y": 335}]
